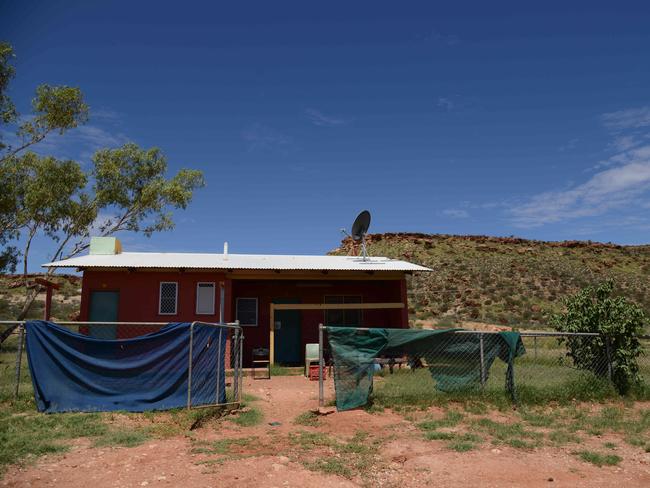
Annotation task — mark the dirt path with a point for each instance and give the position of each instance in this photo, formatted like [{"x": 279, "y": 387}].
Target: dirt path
[{"x": 268, "y": 456}]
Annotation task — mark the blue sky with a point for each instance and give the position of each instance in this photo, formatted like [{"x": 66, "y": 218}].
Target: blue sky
[{"x": 476, "y": 118}]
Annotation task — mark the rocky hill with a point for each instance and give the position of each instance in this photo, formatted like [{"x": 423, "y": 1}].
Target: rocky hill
[
  {"x": 65, "y": 300},
  {"x": 508, "y": 281}
]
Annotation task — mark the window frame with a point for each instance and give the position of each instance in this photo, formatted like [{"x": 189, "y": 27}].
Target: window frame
[
  {"x": 344, "y": 296},
  {"x": 160, "y": 312},
  {"x": 214, "y": 297},
  {"x": 257, "y": 311}
]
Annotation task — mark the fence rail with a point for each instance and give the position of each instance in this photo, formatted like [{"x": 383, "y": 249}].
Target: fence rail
[{"x": 210, "y": 380}]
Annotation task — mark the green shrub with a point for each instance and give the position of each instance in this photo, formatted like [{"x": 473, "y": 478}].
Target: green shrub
[{"x": 619, "y": 323}]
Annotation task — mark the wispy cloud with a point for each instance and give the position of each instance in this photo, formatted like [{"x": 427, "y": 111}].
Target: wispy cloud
[
  {"x": 619, "y": 182},
  {"x": 445, "y": 103},
  {"x": 262, "y": 137},
  {"x": 97, "y": 138},
  {"x": 625, "y": 181},
  {"x": 632, "y": 118},
  {"x": 571, "y": 144},
  {"x": 78, "y": 143},
  {"x": 106, "y": 114},
  {"x": 317, "y": 117},
  {"x": 455, "y": 213}
]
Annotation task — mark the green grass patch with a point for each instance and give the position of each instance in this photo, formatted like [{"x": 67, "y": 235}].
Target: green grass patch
[
  {"x": 248, "y": 418},
  {"x": 512, "y": 434},
  {"x": 599, "y": 459},
  {"x": 451, "y": 419},
  {"x": 435, "y": 435},
  {"x": 461, "y": 446},
  {"x": 23, "y": 437},
  {"x": 307, "y": 440},
  {"x": 560, "y": 437},
  {"x": 346, "y": 458},
  {"x": 309, "y": 419},
  {"x": 122, "y": 438},
  {"x": 330, "y": 465}
]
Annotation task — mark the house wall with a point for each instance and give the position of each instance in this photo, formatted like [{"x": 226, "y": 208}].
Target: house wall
[
  {"x": 371, "y": 291},
  {"x": 139, "y": 294},
  {"x": 139, "y": 297}
]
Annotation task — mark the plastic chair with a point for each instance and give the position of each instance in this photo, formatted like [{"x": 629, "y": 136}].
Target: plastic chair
[{"x": 312, "y": 356}]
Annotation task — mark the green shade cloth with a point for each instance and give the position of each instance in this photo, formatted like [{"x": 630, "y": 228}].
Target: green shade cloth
[{"x": 454, "y": 359}]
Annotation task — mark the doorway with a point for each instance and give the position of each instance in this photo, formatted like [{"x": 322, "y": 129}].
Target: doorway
[
  {"x": 103, "y": 308},
  {"x": 288, "y": 337}
]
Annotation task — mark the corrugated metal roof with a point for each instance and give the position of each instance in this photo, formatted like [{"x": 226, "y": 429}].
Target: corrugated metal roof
[{"x": 236, "y": 261}]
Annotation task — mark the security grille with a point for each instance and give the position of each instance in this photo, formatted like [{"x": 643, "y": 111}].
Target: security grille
[{"x": 168, "y": 298}]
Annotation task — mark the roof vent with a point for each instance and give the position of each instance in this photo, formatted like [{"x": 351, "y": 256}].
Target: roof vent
[
  {"x": 225, "y": 249},
  {"x": 105, "y": 245}
]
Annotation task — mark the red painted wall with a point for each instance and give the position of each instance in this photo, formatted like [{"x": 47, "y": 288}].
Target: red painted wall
[
  {"x": 139, "y": 295},
  {"x": 371, "y": 291}
]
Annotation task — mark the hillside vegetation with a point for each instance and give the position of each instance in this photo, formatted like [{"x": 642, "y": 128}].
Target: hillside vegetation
[
  {"x": 65, "y": 300},
  {"x": 507, "y": 281}
]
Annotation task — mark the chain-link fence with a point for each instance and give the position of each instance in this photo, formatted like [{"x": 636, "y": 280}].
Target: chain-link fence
[
  {"x": 393, "y": 367},
  {"x": 211, "y": 372},
  {"x": 644, "y": 360}
]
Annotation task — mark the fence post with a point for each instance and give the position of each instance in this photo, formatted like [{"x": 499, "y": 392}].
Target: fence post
[
  {"x": 482, "y": 361},
  {"x": 535, "y": 343},
  {"x": 189, "y": 369},
  {"x": 609, "y": 358},
  {"x": 321, "y": 393},
  {"x": 241, "y": 362},
  {"x": 19, "y": 358},
  {"x": 235, "y": 364},
  {"x": 219, "y": 366}
]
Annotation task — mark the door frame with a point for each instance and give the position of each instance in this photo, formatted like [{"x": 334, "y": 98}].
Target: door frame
[{"x": 289, "y": 301}]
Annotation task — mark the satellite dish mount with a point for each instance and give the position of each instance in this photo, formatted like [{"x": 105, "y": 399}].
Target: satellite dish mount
[{"x": 359, "y": 231}]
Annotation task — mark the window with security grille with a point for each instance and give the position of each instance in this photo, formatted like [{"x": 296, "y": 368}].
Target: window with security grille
[
  {"x": 168, "y": 298},
  {"x": 205, "y": 298},
  {"x": 247, "y": 311},
  {"x": 351, "y": 318}
]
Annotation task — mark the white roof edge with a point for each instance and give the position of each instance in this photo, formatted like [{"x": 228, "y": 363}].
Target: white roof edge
[{"x": 236, "y": 261}]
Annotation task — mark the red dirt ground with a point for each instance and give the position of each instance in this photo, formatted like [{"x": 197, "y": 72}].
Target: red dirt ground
[{"x": 404, "y": 460}]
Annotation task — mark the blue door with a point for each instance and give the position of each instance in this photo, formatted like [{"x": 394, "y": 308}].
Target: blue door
[
  {"x": 103, "y": 308},
  {"x": 288, "y": 339}
]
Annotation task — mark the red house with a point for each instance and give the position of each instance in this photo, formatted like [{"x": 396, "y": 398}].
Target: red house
[{"x": 279, "y": 300}]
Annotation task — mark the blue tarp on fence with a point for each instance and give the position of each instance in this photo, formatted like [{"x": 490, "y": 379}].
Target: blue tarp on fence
[{"x": 76, "y": 373}]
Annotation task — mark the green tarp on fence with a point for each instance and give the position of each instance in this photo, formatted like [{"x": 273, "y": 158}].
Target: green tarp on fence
[{"x": 453, "y": 358}]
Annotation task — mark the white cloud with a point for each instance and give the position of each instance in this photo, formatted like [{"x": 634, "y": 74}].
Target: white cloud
[
  {"x": 317, "y": 117},
  {"x": 455, "y": 213},
  {"x": 627, "y": 178},
  {"x": 97, "y": 137},
  {"x": 633, "y": 118},
  {"x": 260, "y": 136},
  {"x": 620, "y": 182}
]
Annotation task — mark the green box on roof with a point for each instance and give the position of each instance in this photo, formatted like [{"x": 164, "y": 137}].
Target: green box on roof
[{"x": 105, "y": 245}]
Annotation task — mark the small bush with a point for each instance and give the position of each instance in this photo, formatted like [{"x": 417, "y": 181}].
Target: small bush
[{"x": 619, "y": 323}]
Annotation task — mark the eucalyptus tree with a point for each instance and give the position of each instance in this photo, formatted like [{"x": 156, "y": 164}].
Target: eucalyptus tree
[{"x": 124, "y": 189}]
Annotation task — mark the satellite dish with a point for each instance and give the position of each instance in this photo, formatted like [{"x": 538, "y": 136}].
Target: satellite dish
[
  {"x": 360, "y": 226},
  {"x": 359, "y": 230}
]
